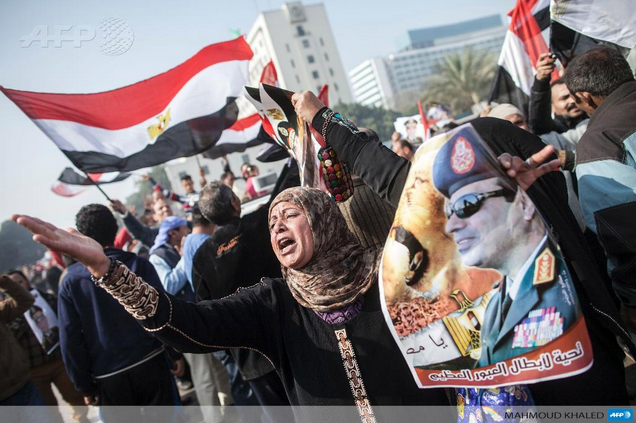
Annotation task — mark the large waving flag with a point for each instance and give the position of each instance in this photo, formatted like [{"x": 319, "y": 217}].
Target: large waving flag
[
  {"x": 526, "y": 39},
  {"x": 71, "y": 183},
  {"x": 181, "y": 112},
  {"x": 248, "y": 130},
  {"x": 584, "y": 24}
]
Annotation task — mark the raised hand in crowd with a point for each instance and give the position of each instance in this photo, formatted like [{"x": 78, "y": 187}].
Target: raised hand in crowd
[
  {"x": 145, "y": 177},
  {"x": 545, "y": 65},
  {"x": 118, "y": 206},
  {"x": 525, "y": 172},
  {"x": 307, "y": 105},
  {"x": 202, "y": 179}
]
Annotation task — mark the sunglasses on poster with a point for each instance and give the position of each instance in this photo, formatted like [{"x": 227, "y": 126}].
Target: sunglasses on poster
[{"x": 469, "y": 204}]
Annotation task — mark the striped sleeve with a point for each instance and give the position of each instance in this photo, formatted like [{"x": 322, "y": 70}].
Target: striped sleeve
[{"x": 607, "y": 192}]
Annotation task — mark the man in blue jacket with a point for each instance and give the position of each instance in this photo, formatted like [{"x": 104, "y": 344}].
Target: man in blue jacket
[{"x": 109, "y": 357}]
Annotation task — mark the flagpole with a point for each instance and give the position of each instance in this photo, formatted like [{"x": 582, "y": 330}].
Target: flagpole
[{"x": 97, "y": 186}]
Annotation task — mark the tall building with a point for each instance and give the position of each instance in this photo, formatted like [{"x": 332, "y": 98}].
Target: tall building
[
  {"x": 371, "y": 83},
  {"x": 299, "y": 40},
  {"x": 420, "y": 51}
]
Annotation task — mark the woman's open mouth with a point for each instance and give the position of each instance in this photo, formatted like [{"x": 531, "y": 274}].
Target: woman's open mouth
[{"x": 285, "y": 245}]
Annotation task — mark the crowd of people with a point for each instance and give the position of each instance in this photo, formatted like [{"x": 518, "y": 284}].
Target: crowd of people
[{"x": 282, "y": 306}]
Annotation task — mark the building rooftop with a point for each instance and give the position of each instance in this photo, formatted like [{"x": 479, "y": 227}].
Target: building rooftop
[{"x": 425, "y": 37}]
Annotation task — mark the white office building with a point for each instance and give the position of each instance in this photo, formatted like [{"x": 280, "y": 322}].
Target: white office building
[
  {"x": 418, "y": 53},
  {"x": 298, "y": 38},
  {"x": 371, "y": 84}
]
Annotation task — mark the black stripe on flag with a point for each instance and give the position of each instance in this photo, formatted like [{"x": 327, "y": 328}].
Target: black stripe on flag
[
  {"x": 543, "y": 18},
  {"x": 182, "y": 140},
  {"x": 69, "y": 176},
  {"x": 504, "y": 90},
  {"x": 567, "y": 43},
  {"x": 228, "y": 148}
]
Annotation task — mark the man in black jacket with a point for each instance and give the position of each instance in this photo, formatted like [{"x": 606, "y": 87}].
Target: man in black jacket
[
  {"x": 111, "y": 361},
  {"x": 551, "y": 98},
  {"x": 238, "y": 254},
  {"x": 602, "y": 83}
]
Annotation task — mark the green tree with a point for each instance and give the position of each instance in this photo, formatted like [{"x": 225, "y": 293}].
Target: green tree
[
  {"x": 158, "y": 173},
  {"x": 461, "y": 80},
  {"x": 376, "y": 118},
  {"x": 17, "y": 247}
]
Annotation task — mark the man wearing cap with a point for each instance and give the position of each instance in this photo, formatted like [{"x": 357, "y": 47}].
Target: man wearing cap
[
  {"x": 496, "y": 225},
  {"x": 165, "y": 257}
]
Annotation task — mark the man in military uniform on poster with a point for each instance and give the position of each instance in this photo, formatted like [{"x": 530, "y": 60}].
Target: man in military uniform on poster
[{"x": 496, "y": 225}]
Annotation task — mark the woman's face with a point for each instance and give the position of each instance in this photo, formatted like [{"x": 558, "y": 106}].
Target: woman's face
[{"x": 290, "y": 234}]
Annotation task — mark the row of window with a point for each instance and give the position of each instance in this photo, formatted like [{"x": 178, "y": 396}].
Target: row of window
[{"x": 306, "y": 44}]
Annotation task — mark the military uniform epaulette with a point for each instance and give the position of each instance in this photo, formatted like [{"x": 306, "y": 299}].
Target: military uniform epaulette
[{"x": 544, "y": 267}]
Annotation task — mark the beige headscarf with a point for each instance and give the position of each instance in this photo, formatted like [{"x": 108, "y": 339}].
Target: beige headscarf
[{"x": 340, "y": 271}]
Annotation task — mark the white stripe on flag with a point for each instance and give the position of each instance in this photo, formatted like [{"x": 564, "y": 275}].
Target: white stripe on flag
[
  {"x": 516, "y": 62},
  {"x": 540, "y": 5},
  {"x": 66, "y": 190},
  {"x": 230, "y": 136},
  {"x": 203, "y": 94},
  {"x": 613, "y": 21}
]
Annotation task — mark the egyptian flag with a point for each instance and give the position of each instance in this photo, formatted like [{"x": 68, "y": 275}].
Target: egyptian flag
[
  {"x": 526, "y": 39},
  {"x": 71, "y": 183},
  {"x": 179, "y": 113},
  {"x": 586, "y": 24},
  {"x": 248, "y": 130}
]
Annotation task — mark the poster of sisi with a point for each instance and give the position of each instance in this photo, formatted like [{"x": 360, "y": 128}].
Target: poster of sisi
[
  {"x": 474, "y": 288},
  {"x": 43, "y": 322}
]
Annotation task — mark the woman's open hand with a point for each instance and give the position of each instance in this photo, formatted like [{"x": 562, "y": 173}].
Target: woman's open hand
[{"x": 70, "y": 242}]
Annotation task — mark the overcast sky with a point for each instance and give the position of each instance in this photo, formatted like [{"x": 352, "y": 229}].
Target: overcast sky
[{"x": 165, "y": 34}]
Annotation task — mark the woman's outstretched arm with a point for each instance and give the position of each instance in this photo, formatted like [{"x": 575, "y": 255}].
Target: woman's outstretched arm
[{"x": 244, "y": 320}]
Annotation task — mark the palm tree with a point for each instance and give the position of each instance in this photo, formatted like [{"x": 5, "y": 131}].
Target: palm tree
[{"x": 461, "y": 79}]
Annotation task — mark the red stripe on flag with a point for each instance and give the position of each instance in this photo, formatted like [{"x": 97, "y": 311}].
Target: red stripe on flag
[
  {"x": 130, "y": 105},
  {"x": 424, "y": 121},
  {"x": 269, "y": 75},
  {"x": 94, "y": 176},
  {"x": 524, "y": 25},
  {"x": 65, "y": 190},
  {"x": 246, "y": 122}
]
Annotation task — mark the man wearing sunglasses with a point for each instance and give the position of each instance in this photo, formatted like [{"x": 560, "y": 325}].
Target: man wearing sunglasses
[{"x": 496, "y": 225}]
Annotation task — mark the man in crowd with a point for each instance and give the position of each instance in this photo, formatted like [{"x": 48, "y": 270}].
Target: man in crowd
[
  {"x": 16, "y": 386},
  {"x": 228, "y": 178},
  {"x": 602, "y": 84},
  {"x": 210, "y": 378},
  {"x": 144, "y": 233},
  {"x": 403, "y": 148},
  {"x": 189, "y": 199},
  {"x": 551, "y": 98},
  {"x": 109, "y": 357},
  {"x": 165, "y": 257},
  {"x": 238, "y": 254},
  {"x": 496, "y": 226},
  {"x": 45, "y": 358},
  {"x": 249, "y": 172},
  {"x": 564, "y": 143}
]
